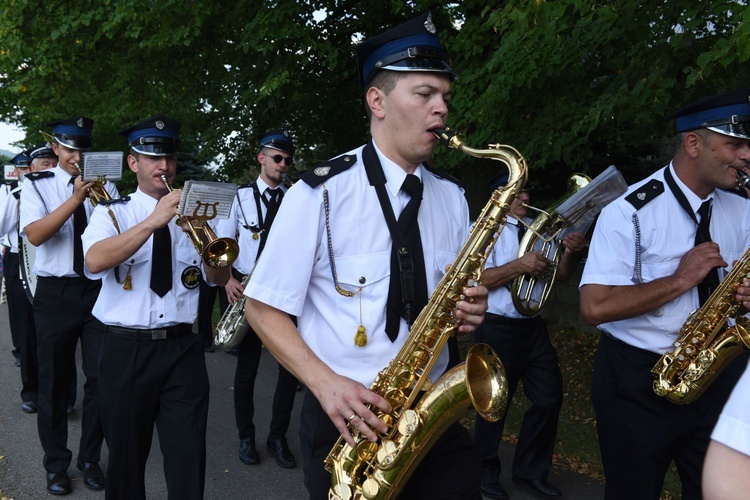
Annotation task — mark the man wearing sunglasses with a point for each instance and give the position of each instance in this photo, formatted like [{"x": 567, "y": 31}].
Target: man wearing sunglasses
[{"x": 249, "y": 222}]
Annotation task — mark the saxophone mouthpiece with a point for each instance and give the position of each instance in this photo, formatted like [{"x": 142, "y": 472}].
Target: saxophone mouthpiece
[
  {"x": 743, "y": 180},
  {"x": 444, "y": 135}
]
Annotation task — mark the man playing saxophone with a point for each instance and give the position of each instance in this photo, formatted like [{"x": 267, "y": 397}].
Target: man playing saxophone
[
  {"x": 153, "y": 369},
  {"x": 250, "y": 221},
  {"x": 343, "y": 281},
  {"x": 656, "y": 255},
  {"x": 523, "y": 345}
]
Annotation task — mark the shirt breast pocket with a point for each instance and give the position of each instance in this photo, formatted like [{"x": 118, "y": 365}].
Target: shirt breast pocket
[
  {"x": 188, "y": 266},
  {"x": 369, "y": 276}
]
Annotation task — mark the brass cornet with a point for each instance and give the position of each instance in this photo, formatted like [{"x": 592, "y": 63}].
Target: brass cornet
[
  {"x": 530, "y": 293},
  {"x": 215, "y": 252},
  {"x": 97, "y": 191}
]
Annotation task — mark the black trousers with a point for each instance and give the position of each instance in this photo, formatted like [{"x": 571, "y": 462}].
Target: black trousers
[
  {"x": 524, "y": 347},
  {"x": 248, "y": 359},
  {"x": 62, "y": 312},
  {"x": 12, "y": 313},
  {"x": 206, "y": 301},
  {"x": 641, "y": 433},
  {"x": 449, "y": 470},
  {"x": 22, "y": 327},
  {"x": 148, "y": 382}
]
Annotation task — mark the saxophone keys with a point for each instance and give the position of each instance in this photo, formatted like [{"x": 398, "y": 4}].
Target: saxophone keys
[
  {"x": 387, "y": 453},
  {"x": 409, "y": 423}
]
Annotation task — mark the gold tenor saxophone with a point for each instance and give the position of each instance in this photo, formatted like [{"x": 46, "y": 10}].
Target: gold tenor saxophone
[
  {"x": 380, "y": 470},
  {"x": 706, "y": 344}
]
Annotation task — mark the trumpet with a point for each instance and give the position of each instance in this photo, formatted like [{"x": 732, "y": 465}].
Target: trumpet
[
  {"x": 97, "y": 191},
  {"x": 530, "y": 293},
  {"x": 215, "y": 252},
  {"x": 743, "y": 180}
]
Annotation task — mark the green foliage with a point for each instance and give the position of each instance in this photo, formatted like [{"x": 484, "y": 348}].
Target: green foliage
[{"x": 576, "y": 85}]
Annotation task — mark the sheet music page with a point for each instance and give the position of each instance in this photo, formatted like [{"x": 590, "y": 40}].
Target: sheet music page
[
  {"x": 207, "y": 200},
  {"x": 106, "y": 165},
  {"x": 581, "y": 209}
]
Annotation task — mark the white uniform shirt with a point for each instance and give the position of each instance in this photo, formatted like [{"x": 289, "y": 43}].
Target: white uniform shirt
[
  {"x": 666, "y": 233},
  {"x": 506, "y": 248},
  {"x": 733, "y": 426},
  {"x": 241, "y": 220},
  {"x": 9, "y": 219},
  {"x": 40, "y": 198},
  {"x": 140, "y": 307},
  {"x": 293, "y": 273}
]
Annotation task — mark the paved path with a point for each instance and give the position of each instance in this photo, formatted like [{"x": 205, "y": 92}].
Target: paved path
[{"x": 22, "y": 475}]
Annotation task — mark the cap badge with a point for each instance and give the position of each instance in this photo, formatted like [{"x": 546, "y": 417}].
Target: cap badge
[
  {"x": 159, "y": 124},
  {"x": 428, "y": 24},
  {"x": 286, "y": 134},
  {"x": 322, "y": 171},
  {"x": 80, "y": 122}
]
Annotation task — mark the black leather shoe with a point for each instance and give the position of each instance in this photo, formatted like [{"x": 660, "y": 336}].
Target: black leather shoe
[
  {"x": 248, "y": 453},
  {"x": 29, "y": 407},
  {"x": 208, "y": 348},
  {"x": 279, "y": 449},
  {"x": 58, "y": 483},
  {"x": 93, "y": 477},
  {"x": 539, "y": 485},
  {"x": 493, "y": 490}
]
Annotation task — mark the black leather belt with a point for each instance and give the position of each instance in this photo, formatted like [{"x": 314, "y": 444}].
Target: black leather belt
[{"x": 169, "y": 332}]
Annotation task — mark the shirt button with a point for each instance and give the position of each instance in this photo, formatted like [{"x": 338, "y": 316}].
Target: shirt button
[
  {"x": 362, "y": 280},
  {"x": 161, "y": 315}
]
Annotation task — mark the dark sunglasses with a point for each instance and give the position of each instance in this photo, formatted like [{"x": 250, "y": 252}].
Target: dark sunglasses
[{"x": 280, "y": 158}]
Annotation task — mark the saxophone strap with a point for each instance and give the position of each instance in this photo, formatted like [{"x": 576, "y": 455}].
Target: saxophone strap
[{"x": 702, "y": 235}]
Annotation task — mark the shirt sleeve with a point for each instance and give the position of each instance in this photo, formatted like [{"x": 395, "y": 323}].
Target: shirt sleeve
[
  {"x": 611, "y": 259},
  {"x": 100, "y": 227},
  {"x": 9, "y": 215},
  {"x": 733, "y": 427},
  {"x": 282, "y": 274},
  {"x": 32, "y": 206}
]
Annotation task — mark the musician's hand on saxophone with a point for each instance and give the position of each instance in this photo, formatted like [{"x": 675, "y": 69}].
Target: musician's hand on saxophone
[
  {"x": 698, "y": 262},
  {"x": 470, "y": 311},
  {"x": 345, "y": 402},
  {"x": 743, "y": 294},
  {"x": 235, "y": 290}
]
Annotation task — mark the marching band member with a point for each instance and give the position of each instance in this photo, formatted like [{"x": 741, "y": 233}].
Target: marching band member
[
  {"x": 54, "y": 211},
  {"x": 656, "y": 256},
  {"x": 343, "y": 340},
  {"x": 250, "y": 222},
  {"x": 153, "y": 370},
  {"x": 20, "y": 312},
  {"x": 524, "y": 347}
]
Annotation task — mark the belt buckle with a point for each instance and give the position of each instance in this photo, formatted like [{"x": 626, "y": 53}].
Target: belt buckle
[{"x": 159, "y": 334}]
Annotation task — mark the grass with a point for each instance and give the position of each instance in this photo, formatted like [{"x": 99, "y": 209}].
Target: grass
[{"x": 577, "y": 446}]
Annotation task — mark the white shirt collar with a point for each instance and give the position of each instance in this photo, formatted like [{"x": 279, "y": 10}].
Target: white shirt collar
[
  {"x": 692, "y": 198},
  {"x": 394, "y": 174}
]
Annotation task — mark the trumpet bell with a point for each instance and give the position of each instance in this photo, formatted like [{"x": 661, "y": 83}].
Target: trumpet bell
[{"x": 221, "y": 252}]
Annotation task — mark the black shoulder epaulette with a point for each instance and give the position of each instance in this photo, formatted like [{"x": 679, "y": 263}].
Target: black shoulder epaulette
[
  {"x": 16, "y": 192},
  {"x": 115, "y": 200},
  {"x": 245, "y": 186},
  {"x": 35, "y": 176},
  {"x": 443, "y": 175},
  {"x": 738, "y": 191},
  {"x": 645, "y": 193},
  {"x": 324, "y": 171}
]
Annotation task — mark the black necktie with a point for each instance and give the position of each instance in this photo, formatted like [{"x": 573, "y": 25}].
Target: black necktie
[
  {"x": 79, "y": 225},
  {"x": 521, "y": 231},
  {"x": 711, "y": 281},
  {"x": 407, "y": 294},
  {"x": 274, "y": 201},
  {"x": 161, "y": 262}
]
